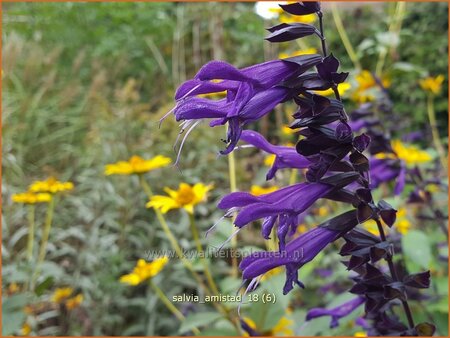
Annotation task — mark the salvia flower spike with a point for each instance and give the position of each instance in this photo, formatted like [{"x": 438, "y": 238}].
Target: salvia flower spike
[{"x": 340, "y": 165}]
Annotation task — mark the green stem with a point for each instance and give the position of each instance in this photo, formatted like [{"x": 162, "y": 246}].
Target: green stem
[
  {"x": 46, "y": 232},
  {"x": 198, "y": 243},
  {"x": 169, "y": 305},
  {"x": 233, "y": 188},
  {"x": 344, "y": 37},
  {"x": 435, "y": 131},
  {"x": 31, "y": 226},
  {"x": 44, "y": 239},
  {"x": 165, "y": 226},
  {"x": 180, "y": 254},
  {"x": 394, "y": 28},
  {"x": 293, "y": 177}
]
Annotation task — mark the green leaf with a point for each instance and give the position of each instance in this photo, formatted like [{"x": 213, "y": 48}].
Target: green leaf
[
  {"x": 198, "y": 320},
  {"x": 13, "y": 314},
  {"x": 15, "y": 302},
  {"x": 12, "y": 322},
  {"x": 417, "y": 249},
  {"x": 45, "y": 285},
  {"x": 265, "y": 315}
]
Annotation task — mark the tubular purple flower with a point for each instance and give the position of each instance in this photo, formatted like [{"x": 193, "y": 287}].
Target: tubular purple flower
[
  {"x": 250, "y": 93},
  {"x": 285, "y": 204},
  {"x": 285, "y": 157},
  {"x": 385, "y": 170},
  {"x": 337, "y": 312},
  {"x": 238, "y": 112},
  {"x": 298, "y": 252}
]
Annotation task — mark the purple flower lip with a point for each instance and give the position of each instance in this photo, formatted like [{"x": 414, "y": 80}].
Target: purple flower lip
[
  {"x": 299, "y": 251},
  {"x": 260, "y": 76},
  {"x": 284, "y": 205},
  {"x": 386, "y": 170},
  {"x": 251, "y": 93},
  {"x": 337, "y": 312},
  {"x": 285, "y": 157}
]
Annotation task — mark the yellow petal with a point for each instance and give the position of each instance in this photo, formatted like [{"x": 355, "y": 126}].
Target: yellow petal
[{"x": 131, "y": 279}]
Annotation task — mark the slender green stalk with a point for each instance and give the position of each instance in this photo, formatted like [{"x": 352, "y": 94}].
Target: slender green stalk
[
  {"x": 31, "y": 226},
  {"x": 293, "y": 177},
  {"x": 173, "y": 241},
  {"x": 46, "y": 231},
  {"x": 394, "y": 28},
  {"x": 344, "y": 37},
  {"x": 198, "y": 243},
  {"x": 435, "y": 131},
  {"x": 178, "y": 250},
  {"x": 169, "y": 305},
  {"x": 233, "y": 188},
  {"x": 44, "y": 240}
]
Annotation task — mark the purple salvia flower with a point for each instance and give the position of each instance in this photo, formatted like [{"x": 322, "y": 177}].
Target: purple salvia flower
[
  {"x": 285, "y": 204},
  {"x": 298, "y": 252},
  {"x": 285, "y": 157},
  {"x": 237, "y": 112},
  {"x": 250, "y": 94},
  {"x": 337, "y": 312},
  {"x": 386, "y": 170}
]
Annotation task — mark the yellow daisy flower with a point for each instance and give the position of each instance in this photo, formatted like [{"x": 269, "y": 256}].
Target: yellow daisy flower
[
  {"x": 61, "y": 294},
  {"x": 25, "y": 330},
  {"x": 13, "y": 288},
  {"x": 31, "y": 198},
  {"x": 136, "y": 165},
  {"x": 258, "y": 190},
  {"x": 74, "y": 302},
  {"x": 432, "y": 85},
  {"x": 288, "y": 131},
  {"x": 342, "y": 89},
  {"x": 185, "y": 197},
  {"x": 286, "y": 18},
  {"x": 322, "y": 211},
  {"x": 311, "y": 50},
  {"x": 408, "y": 153},
  {"x": 143, "y": 271},
  {"x": 284, "y": 327},
  {"x": 51, "y": 185},
  {"x": 272, "y": 273},
  {"x": 302, "y": 228},
  {"x": 269, "y": 159},
  {"x": 402, "y": 224},
  {"x": 366, "y": 82}
]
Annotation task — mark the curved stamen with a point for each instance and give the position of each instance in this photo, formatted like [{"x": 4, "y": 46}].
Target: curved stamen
[
  {"x": 184, "y": 139},
  {"x": 229, "y": 239},
  {"x": 227, "y": 214}
]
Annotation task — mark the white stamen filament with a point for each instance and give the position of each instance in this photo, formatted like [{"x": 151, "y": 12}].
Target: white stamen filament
[{"x": 184, "y": 139}]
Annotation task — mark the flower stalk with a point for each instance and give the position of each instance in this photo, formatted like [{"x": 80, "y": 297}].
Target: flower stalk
[
  {"x": 172, "y": 239},
  {"x": 172, "y": 308},
  {"x": 203, "y": 259},
  {"x": 31, "y": 227},
  {"x": 344, "y": 37},
  {"x": 435, "y": 131},
  {"x": 233, "y": 188},
  {"x": 44, "y": 240}
]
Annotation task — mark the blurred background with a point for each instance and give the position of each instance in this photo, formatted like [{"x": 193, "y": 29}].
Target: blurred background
[{"x": 84, "y": 85}]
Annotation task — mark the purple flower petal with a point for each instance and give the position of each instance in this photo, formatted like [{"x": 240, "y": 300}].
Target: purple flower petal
[{"x": 337, "y": 312}]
